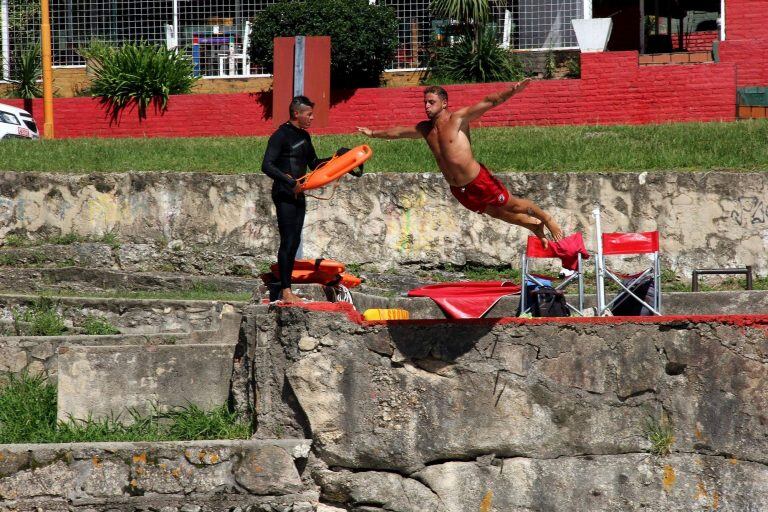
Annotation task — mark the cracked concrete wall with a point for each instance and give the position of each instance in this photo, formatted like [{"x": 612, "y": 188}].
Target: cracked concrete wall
[
  {"x": 705, "y": 219},
  {"x": 130, "y": 316},
  {"x": 542, "y": 415},
  {"x": 192, "y": 476}
]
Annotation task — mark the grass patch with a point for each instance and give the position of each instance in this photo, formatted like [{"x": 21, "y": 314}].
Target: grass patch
[
  {"x": 195, "y": 293},
  {"x": 39, "y": 319},
  {"x": 681, "y": 146},
  {"x": 94, "y": 325},
  {"x": 28, "y": 415},
  {"x": 660, "y": 434}
]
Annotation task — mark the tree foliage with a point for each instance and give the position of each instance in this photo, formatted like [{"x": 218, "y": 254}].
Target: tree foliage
[{"x": 363, "y": 36}]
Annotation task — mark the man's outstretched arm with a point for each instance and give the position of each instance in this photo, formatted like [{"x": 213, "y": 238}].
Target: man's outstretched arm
[
  {"x": 396, "y": 132},
  {"x": 492, "y": 100}
]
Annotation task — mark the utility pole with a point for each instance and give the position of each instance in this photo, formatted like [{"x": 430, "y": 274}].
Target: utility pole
[{"x": 45, "y": 32}]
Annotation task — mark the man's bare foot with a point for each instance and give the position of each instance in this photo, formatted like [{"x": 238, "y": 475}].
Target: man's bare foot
[
  {"x": 554, "y": 229},
  {"x": 289, "y": 297},
  {"x": 538, "y": 230}
]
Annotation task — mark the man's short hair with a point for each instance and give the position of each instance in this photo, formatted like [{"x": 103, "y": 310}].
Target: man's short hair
[
  {"x": 436, "y": 89},
  {"x": 296, "y": 102}
]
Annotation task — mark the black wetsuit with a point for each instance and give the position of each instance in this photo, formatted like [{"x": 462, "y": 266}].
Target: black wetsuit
[{"x": 289, "y": 153}]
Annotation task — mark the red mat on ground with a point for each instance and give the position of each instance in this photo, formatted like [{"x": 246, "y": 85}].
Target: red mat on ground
[{"x": 466, "y": 299}]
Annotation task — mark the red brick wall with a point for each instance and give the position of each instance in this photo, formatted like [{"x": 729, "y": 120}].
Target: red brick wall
[
  {"x": 613, "y": 90},
  {"x": 697, "y": 41},
  {"x": 746, "y": 40},
  {"x": 746, "y": 19}
]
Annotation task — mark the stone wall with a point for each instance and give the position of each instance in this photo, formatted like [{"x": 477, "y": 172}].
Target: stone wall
[
  {"x": 200, "y": 476},
  {"x": 129, "y": 316},
  {"x": 518, "y": 415},
  {"x": 710, "y": 219}
]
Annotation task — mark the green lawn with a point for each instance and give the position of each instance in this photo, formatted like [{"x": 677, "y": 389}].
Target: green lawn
[{"x": 691, "y": 146}]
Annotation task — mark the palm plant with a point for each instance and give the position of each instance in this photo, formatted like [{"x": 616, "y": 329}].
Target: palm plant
[
  {"x": 472, "y": 15},
  {"x": 27, "y": 70},
  {"x": 140, "y": 74},
  {"x": 482, "y": 60}
]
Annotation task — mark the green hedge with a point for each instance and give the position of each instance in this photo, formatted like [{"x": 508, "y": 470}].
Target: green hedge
[{"x": 363, "y": 36}]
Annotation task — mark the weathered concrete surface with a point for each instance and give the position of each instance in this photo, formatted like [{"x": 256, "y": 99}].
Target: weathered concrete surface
[
  {"x": 130, "y": 316},
  {"x": 746, "y": 302},
  {"x": 106, "y": 381},
  {"x": 38, "y": 355},
  {"x": 706, "y": 218},
  {"x": 83, "y": 280},
  {"x": 408, "y": 407},
  {"x": 169, "y": 256},
  {"x": 588, "y": 483},
  {"x": 198, "y": 476}
]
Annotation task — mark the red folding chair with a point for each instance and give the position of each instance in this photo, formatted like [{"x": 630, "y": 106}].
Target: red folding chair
[
  {"x": 535, "y": 250},
  {"x": 625, "y": 244}
]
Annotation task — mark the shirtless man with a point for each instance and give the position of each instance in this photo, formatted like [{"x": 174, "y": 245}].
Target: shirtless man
[{"x": 447, "y": 134}]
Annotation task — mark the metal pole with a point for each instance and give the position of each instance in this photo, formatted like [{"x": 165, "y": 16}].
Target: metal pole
[
  {"x": 599, "y": 263},
  {"x": 642, "y": 27},
  {"x": 45, "y": 33},
  {"x": 587, "y": 9},
  {"x": 722, "y": 20},
  {"x": 4, "y": 22},
  {"x": 176, "y": 21}
]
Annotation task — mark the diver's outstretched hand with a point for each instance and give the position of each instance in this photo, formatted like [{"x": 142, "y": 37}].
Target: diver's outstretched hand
[{"x": 365, "y": 131}]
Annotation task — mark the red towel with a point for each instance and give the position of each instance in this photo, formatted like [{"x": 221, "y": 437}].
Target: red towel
[
  {"x": 566, "y": 249},
  {"x": 466, "y": 299}
]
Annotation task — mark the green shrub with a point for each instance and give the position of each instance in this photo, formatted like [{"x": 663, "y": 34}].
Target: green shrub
[
  {"x": 363, "y": 36},
  {"x": 573, "y": 65},
  {"x": 550, "y": 65},
  {"x": 94, "y": 325},
  {"x": 27, "y": 410},
  {"x": 480, "y": 61},
  {"x": 27, "y": 69},
  {"x": 14, "y": 240},
  {"x": 28, "y": 415},
  {"x": 42, "y": 317},
  {"x": 139, "y": 75},
  {"x": 660, "y": 434}
]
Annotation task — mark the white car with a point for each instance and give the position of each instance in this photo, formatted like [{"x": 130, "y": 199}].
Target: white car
[{"x": 16, "y": 123}]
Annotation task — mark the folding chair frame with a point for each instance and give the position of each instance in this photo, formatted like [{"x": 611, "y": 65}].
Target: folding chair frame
[
  {"x": 525, "y": 308},
  {"x": 601, "y": 271}
]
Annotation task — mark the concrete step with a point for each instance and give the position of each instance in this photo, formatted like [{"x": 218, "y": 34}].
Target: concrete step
[
  {"x": 129, "y": 316},
  {"x": 673, "y": 303},
  {"x": 199, "y": 476},
  {"x": 84, "y": 279},
  {"x": 39, "y": 354},
  {"x": 133, "y": 257}
]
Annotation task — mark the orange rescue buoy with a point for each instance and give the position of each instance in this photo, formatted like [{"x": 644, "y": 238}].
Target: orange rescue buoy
[{"x": 335, "y": 168}]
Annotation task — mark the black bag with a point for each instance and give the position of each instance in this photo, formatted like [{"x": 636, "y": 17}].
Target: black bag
[
  {"x": 627, "y": 305},
  {"x": 548, "y": 302}
]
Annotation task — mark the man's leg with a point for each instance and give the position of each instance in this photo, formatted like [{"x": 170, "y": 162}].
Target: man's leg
[
  {"x": 527, "y": 214},
  {"x": 289, "y": 222}
]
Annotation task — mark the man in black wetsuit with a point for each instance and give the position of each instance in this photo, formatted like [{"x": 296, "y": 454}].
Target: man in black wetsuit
[{"x": 289, "y": 153}]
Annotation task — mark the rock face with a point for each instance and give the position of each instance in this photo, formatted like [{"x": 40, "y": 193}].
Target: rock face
[
  {"x": 708, "y": 219},
  {"x": 523, "y": 415},
  {"x": 202, "y": 476}
]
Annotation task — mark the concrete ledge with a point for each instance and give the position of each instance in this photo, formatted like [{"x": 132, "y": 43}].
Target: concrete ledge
[
  {"x": 674, "y": 303},
  {"x": 105, "y": 381},
  {"x": 38, "y": 355},
  {"x": 213, "y": 475},
  {"x": 131, "y": 316}
]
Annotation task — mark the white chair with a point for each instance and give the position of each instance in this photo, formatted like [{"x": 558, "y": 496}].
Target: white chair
[
  {"x": 618, "y": 244},
  {"x": 171, "y": 37},
  {"x": 228, "y": 61}
]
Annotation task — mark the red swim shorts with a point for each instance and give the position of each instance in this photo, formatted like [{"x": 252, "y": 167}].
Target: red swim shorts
[{"x": 485, "y": 190}]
